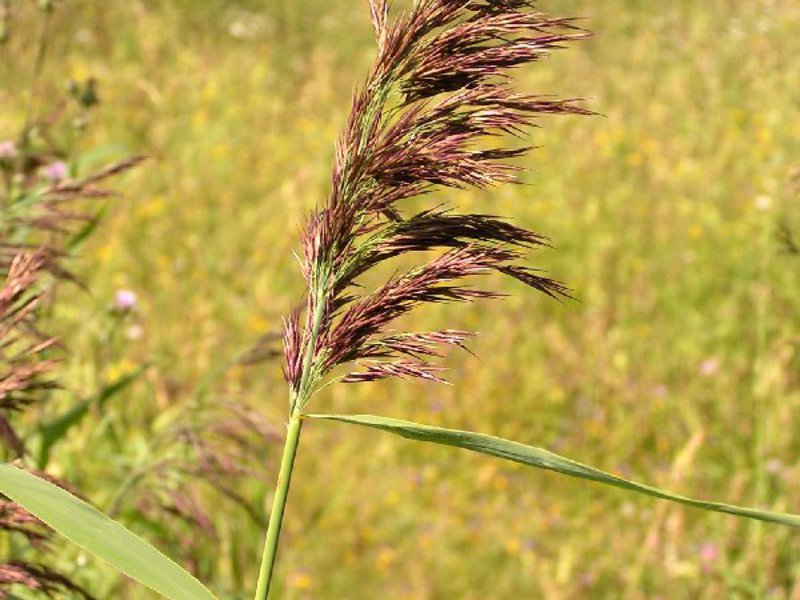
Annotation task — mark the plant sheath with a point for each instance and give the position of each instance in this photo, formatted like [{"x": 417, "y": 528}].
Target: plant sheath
[{"x": 278, "y": 507}]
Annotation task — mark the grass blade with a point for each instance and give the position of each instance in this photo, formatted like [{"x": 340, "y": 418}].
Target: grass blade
[
  {"x": 544, "y": 459},
  {"x": 93, "y": 531},
  {"x": 53, "y": 431}
]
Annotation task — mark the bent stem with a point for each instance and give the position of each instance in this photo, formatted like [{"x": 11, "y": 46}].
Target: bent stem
[{"x": 278, "y": 506}]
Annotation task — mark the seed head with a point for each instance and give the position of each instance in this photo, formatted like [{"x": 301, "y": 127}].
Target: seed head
[
  {"x": 39, "y": 578},
  {"x": 436, "y": 112}
]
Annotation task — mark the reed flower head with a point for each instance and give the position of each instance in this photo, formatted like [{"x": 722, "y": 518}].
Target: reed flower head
[
  {"x": 437, "y": 111},
  {"x": 23, "y": 349},
  {"x": 33, "y": 236},
  {"x": 24, "y": 375},
  {"x": 38, "y": 578},
  {"x": 214, "y": 448},
  {"x": 13, "y": 518}
]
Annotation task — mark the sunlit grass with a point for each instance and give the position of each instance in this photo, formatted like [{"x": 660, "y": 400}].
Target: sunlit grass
[{"x": 663, "y": 213}]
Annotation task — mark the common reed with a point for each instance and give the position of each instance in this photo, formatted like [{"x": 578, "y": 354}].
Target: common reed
[
  {"x": 45, "y": 213},
  {"x": 25, "y": 374},
  {"x": 204, "y": 448},
  {"x": 438, "y": 110},
  {"x": 28, "y": 359}
]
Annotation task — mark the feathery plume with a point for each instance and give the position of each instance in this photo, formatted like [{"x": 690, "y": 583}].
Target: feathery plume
[
  {"x": 38, "y": 578},
  {"x": 41, "y": 214},
  {"x": 35, "y": 576},
  {"x": 437, "y": 111},
  {"x": 16, "y": 519},
  {"x": 23, "y": 349},
  {"x": 213, "y": 450}
]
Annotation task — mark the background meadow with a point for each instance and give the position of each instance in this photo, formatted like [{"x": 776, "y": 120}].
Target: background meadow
[{"x": 678, "y": 364}]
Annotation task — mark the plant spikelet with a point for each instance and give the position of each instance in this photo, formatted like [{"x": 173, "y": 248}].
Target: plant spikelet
[{"x": 437, "y": 111}]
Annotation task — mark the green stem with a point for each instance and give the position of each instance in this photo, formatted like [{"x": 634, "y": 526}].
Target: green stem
[
  {"x": 278, "y": 506},
  {"x": 761, "y": 392},
  {"x": 297, "y": 400}
]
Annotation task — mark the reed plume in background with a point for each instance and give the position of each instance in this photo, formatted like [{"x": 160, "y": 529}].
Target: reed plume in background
[
  {"x": 25, "y": 375},
  {"x": 45, "y": 220},
  {"x": 25, "y": 368},
  {"x": 45, "y": 215}
]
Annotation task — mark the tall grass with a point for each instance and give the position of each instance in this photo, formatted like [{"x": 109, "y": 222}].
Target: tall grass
[
  {"x": 676, "y": 354},
  {"x": 437, "y": 89}
]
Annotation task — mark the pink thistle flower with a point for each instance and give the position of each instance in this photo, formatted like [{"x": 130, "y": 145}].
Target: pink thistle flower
[
  {"x": 56, "y": 171},
  {"x": 709, "y": 553},
  {"x": 709, "y": 367},
  {"x": 8, "y": 149},
  {"x": 125, "y": 300}
]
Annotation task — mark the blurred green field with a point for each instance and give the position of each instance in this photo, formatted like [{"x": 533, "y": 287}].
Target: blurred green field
[{"x": 678, "y": 365}]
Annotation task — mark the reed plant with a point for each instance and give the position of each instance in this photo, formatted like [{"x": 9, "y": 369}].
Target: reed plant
[
  {"x": 53, "y": 198},
  {"x": 41, "y": 224},
  {"x": 46, "y": 214},
  {"x": 437, "y": 112}
]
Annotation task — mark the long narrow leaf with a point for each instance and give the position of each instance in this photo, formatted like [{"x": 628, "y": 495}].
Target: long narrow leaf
[
  {"x": 93, "y": 531},
  {"x": 544, "y": 459}
]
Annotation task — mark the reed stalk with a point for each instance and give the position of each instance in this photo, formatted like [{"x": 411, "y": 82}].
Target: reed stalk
[
  {"x": 278, "y": 508},
  {"x": 437, "y": 111}
]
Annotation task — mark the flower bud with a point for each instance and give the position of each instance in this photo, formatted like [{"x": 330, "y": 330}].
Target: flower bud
[{"x": 125, "y": 300}]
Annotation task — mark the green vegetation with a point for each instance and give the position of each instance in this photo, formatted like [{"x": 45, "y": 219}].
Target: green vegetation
[{"x": 677, "y": 366}]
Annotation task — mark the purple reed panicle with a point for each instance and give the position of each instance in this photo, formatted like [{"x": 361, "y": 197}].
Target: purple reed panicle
[
  {"x": 24, "y": 376},
  {"x": 38, "y": 578},
  {"x": 27, "y": 359},
  {"x": 24, "y": 370},
  {"x": 437, "y": 111},
  {"x": 26, "y": 354},
  {"x": 35, "y": 576}
]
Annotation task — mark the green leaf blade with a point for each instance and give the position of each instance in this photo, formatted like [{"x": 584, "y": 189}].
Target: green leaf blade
[
  {"x": 544, "y": 459},
  {"x": 93, "y": 531}
]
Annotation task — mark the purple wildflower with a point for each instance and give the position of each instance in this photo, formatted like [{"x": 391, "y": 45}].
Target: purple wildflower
[
  {"x": 709, "y": 553},
  {"x": 709, "y": 367},
  {"x": 125, "y": 300},
  {"x": 56, "y": 171},
  {"x": 8, "y": 149}
]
